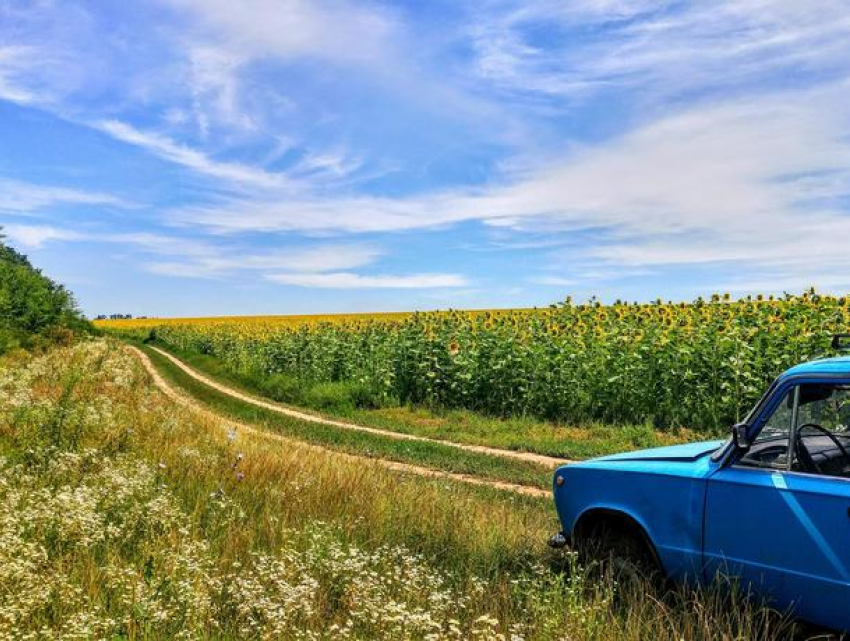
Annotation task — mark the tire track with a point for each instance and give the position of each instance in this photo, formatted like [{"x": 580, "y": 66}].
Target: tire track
[
  {"x": 550, "y": 462},
  {"x": 396, "y": 466}
]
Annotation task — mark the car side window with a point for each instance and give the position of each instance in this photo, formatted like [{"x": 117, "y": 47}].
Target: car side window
[
  {"x": 770, "y": 447},
  {"x": 822, "y": 434}
]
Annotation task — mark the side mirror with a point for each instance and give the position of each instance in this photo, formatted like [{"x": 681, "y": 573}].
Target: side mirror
[{"x": 739, "y": 436}]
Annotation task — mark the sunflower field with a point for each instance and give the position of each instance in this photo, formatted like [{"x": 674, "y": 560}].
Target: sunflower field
[{"x": 699, "y": 365}]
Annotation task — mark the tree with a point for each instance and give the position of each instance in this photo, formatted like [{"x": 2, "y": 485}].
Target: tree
[{"x": 31, "y": 304}]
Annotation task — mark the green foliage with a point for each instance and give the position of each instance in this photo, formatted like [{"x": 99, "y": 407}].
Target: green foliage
[
  {"x": 524, "y": 433},
  {"x": 340, "y": 396},
  {"x": 34, "y": 310},
  {"x": 699, "y": 365},
  {"x": 282, "y": 387}
]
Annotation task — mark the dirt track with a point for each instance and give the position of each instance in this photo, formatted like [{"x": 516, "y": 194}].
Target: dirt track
[
  {"x": 172, "y": 393},
  {"x": 545, "y": 461}
]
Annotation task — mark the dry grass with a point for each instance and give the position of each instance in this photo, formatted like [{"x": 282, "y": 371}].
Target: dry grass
[{"x": 125, "y": 516}]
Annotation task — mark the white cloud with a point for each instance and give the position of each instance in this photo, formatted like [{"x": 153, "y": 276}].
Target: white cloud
[
  {"x": 316, "y": 267},
  {"x": 693, "y": 182},
  {"x": 235, "y": 173},
  {"x": 345, "y": 32},
  {"x": 17, "y": 197},
  {"x": 336, "y": 163},
  {"x": 347, "y": 280},
  {"x": 389, "y": 54},
  {"x": 319, "y": 169},
  {"x": 555, "y": 281},
  {"x": 35, "y": 236},
  {"x": 740, "y": 183},
  {"x": 197, "y": 258},
  {"x": 216, "y": 262},
  {"x": 713, "y": 169},
  {"x": 180, "y": 269},
  {"x": 14, "y": 63},
  {"x": 657, "y": 47},
  {"x": 216, "y": 89}
]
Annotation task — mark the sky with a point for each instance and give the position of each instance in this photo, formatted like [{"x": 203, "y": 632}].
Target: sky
[{"x": 211, "y": 157}]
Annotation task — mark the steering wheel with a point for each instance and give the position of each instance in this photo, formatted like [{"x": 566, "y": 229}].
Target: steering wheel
[{"x": 803, "y": 452}]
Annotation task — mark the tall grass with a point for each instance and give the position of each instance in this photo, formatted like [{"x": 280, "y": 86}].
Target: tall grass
[
  {"x": 457, "y": 425},
  {"x": 428, "y": 454},
  {"x": 154, "y": 522}
]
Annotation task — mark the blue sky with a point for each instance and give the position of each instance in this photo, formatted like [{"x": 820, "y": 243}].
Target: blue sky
[{"x": 198, "y": 157}]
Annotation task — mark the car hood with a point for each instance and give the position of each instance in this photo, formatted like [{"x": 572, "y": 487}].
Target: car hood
[{"x": 673, "y": 453}]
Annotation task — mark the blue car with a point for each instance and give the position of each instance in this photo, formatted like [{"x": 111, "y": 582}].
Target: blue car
[{"x": 770, "y": 505}]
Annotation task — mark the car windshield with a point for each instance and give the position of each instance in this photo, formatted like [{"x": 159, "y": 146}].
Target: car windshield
[
  {"x": 807, "y": 431},
  {"x": 727, "y": 444}
]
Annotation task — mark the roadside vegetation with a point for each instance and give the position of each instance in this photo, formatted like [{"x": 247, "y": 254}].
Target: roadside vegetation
[
  {"x": 432, "y": 455},
  {"x": 35, "y": 312},
  {"x": 126, "y": 515},
  {"x": 698, "y": 365},
  {"x": 527, "y": 434}
]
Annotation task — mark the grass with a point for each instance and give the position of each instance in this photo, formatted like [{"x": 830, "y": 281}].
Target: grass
[
  {"x": 431, "y": 455},
  {"x": 461, "y": 426},
  {"x": 133, "y": 518}
]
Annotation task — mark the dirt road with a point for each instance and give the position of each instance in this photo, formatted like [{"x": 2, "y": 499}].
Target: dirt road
[
  {"x": 227, "y": 424},
  {"x": 540, "y": 459}
]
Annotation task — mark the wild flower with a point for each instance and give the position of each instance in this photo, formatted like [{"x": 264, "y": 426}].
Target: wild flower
[{"x": 99, "y": 542}]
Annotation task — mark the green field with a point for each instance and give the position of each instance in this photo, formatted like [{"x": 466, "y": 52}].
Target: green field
[{"x": 698, "y": 365}]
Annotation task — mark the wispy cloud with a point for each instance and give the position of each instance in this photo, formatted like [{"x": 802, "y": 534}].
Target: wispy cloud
[
  {"x": 347, "y": 280},
  {"x": 35, "y": 236},
  {"x": 14, "y": 63},
  {"x": 694, "y": 188},
  {"x": 187, "y": 257},
  {"x": 235, "y": 173},
  {"x": 316, "y": 266},
  {"x": 555, "y": 281},
  {"x": 214, "y": 262},
  {"x": 657, "y": 47},
  {"x": 333, "y": 164},
  {"x": 349, "y": 33},
  {"x": 18, "y": 198},
  {"x": 312, "y": 171},
  {"x": 216, "y": 90},
  {"x": 718, "y": 168}
]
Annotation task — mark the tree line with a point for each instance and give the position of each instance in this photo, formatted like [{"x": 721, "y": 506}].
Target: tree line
[{"x": 34, "y": 310}]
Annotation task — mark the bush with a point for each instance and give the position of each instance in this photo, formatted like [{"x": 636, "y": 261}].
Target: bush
[
  {"x": 340, "y": 396},
  {"x": 9, "y": 340},
  {"x": 283, "y": 388},
  {"x": 34, "y": 310}
]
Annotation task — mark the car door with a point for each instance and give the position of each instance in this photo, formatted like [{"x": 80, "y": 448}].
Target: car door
[{"x": 783, "y": 529}]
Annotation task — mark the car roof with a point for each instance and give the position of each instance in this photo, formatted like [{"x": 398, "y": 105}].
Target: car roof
[{"x": 837, "y": 365}]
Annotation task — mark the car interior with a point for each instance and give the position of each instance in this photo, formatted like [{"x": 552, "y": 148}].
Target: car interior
[{"x": 816, "y": 417}]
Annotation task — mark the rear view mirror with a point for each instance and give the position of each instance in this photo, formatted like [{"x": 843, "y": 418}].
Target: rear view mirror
[
  {"x": 841, "y": 342},
  {"x": 739, "y": 436},
  {"x": 811, "y": 393}
]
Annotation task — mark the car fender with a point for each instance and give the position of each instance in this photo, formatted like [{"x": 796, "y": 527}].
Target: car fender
[
  {"x": 611, "y": 510},
  {"x": 667, "y": 506}
]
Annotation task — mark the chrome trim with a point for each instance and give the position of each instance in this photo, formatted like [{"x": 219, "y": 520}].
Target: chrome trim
[{"x": 779, "y": 470}]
